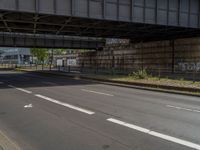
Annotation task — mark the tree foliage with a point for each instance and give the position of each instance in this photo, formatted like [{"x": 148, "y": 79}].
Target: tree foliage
[
  {"x": 40, "y": 53},
  {"x": 59, "y": 51}
]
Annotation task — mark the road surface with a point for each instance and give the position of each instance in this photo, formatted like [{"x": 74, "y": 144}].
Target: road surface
[{"x": 58, "y": 113}]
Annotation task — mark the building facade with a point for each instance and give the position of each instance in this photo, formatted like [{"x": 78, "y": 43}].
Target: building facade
[{"x": 15, "y": 56}]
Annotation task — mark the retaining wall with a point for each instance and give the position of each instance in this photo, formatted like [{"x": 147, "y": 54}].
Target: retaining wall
[{"x": 178, "y": 56}]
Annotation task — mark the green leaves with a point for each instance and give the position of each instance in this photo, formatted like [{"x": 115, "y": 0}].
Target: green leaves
[
  {"x": 59, "y": 51},
  {"x": 40, "y": 53},
  {"x": 140, "y": 74}
]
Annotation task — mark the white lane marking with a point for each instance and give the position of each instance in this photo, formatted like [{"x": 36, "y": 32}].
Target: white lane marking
[
  {"x": 28, "y": 106},
  {"x": 95, "y": 92},
  {"x": 182, "y": 108},
  {"x": 1, "y": 82},
  {"x": 65, "y": 104},
  {"x": 175, "y": 140},
  {"x": 20, "y": 89},
  {"x": 129, "y": 125},
  {"x": 12, "y": 86},
  {"x": 156, "y": 134},
  {"x": 50, "y": 83}
]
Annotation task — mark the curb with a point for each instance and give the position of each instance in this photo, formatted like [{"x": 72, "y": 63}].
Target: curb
[
  {"x": 6, "y": 143},
  {"x": 136, "y": 85}
]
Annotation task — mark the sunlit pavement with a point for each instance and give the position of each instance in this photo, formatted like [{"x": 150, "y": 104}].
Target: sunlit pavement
[{"x": 40, "y": 113}]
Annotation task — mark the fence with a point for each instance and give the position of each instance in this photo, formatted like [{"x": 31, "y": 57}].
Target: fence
[{"x": 175, "y": 59}]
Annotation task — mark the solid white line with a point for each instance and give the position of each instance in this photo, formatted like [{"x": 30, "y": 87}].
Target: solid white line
[
  {"x": 95, "y": 92},
  {"x": 156, "y": 134},
  {"x": 65, "y": 104},
  {"x": 182, "y": 108},
  {"x": 20, "y": 89}
]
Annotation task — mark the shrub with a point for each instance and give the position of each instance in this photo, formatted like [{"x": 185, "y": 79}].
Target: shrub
[{"x": 140, "y": 74}]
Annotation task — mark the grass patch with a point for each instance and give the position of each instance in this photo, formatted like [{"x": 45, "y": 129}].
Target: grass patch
[{"x": 148, "y": 79}]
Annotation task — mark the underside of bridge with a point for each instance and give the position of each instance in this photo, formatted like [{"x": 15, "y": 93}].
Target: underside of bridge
[
  {"x": 73, "y": 26},
  {"x": 138, "y": 20}
]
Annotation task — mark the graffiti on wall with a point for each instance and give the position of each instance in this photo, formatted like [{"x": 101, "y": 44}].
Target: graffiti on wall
[{"x": 191, "y": 66}]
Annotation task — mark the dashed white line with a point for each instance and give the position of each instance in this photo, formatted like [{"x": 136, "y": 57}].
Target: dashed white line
[
  {"x": 129, "y": 125},
  {"x": 11, "y": 86},
  {"x": 23, "y": 90},
  {"x": 175, "y": 140},
  {"x": 95, "y": 92},
  {"x": 49, "y": 83},
  {"x": 65, "y": 104},
  {"x": 20, "y": 89},
  {"x": 182, "y": 108},
  {"x": 156, "y": 134}
]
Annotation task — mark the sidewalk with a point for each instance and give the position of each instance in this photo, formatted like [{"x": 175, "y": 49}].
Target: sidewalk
[{"x": 6, "y": 143}]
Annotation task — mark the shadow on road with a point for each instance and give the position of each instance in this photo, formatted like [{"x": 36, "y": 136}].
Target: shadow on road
[{"x": 24, "y": 80}]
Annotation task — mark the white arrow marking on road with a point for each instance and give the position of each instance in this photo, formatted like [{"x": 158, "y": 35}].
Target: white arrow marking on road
[
  {"x": 65, "y": 104},
  {"x": 28, "y": 106},
  {"x": 156, "y": 134}
]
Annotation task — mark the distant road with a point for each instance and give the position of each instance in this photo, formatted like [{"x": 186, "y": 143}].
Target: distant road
[{"x": 59, "y": 113}]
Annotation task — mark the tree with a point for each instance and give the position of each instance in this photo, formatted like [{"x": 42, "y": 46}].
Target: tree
[
  {"x": 53, "y": 52},
  {"x": 41, "y": 54},
  {"x": 59, "y": 51}
]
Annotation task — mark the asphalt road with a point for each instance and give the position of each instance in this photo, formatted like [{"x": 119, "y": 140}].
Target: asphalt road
[{"x": 58, "y": 113}]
